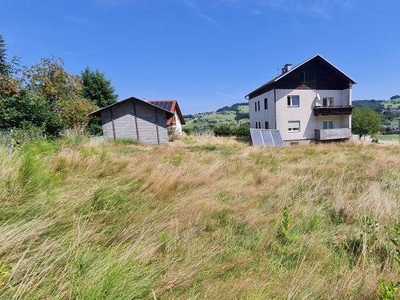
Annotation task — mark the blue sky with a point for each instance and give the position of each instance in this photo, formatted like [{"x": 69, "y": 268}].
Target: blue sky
[{"x": 208, "y": 53}]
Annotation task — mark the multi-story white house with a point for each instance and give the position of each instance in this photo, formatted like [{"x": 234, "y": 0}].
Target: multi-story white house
[{"x": 311, "y": 101}]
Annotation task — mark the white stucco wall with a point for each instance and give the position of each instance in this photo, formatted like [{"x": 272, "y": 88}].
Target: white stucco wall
[
  {"x": 178, "y": 125},
  {"x": 264, "y": 115}
]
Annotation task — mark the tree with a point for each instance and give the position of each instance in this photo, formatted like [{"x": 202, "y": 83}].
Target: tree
[
  {"x": 62, "y": 91},
  {"x": 49, "y": 78},
  {"x": 366, "y": 121},
  {"x": 8, "y": 85},
  {"x": 3, "y": 57},
  {"x": 27, "y": 110},
  {"x": 97, "y": 88}
]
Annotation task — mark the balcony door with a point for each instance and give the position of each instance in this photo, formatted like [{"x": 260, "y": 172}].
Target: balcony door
[
  {"x": 327, "y": 101},
  {"x": 327, "y": 125}
]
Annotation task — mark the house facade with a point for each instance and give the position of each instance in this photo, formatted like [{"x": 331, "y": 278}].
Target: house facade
[
  {"x": 134, "y": 119},
  {"x": 311, "y": 101},
  {"x": 174, "y": 124}
]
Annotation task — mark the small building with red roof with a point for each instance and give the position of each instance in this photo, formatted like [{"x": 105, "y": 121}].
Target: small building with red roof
[{"x": 174, "y": 123}]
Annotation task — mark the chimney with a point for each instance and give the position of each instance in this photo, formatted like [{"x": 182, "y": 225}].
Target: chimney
[{"x": 286, "y": 68}]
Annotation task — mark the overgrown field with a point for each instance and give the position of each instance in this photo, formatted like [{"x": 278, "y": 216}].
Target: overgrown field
[{"x": 199, "y": 219}]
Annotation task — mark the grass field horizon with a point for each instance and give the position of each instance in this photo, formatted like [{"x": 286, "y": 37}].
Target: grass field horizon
[{"x": 203, "y": 218}]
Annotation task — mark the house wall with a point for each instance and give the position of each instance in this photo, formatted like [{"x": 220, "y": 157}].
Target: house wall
[
  {"x": 304, "y": 113},
  {"x": 120, "y": 119},
  {"x": 177, "y": 128},
  {"x": 263, "y": 115}
]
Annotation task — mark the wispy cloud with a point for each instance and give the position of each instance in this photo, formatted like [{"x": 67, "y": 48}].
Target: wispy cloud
[
  {"x": 315, "y": 8},
  {"x": 193, "y": 5}
]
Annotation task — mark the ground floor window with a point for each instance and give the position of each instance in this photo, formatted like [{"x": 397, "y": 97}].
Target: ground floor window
[
  {"x": 327, "y": 125},
  {"x": 294, "y": 126},
  {"x": 266, "y": 125}
]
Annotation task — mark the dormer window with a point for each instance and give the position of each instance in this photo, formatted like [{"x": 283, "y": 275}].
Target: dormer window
[{"x": 305, "y": 76}]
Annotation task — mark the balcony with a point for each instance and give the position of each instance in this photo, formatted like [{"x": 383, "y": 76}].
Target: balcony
[
  {"x": 332, "y": 110},
  {"x": 332, "y": 134}
]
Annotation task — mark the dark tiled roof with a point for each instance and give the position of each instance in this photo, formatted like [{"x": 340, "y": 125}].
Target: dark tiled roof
[{"x": 170, "y": 105}]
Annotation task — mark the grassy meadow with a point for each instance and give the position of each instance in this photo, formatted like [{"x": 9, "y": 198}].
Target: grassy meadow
[{"x": 202, "y": 218}]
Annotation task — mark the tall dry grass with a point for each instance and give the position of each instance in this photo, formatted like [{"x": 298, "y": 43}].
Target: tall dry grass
[{"x": 198, "y": 219}]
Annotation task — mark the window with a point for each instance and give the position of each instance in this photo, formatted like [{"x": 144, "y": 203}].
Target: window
[
  {"x": 293, "y": 101},
  {"x": 258, "y": 105},
  {"x": 305, "y": 76},
  {"x": 266, "y": 125},
  {"x": 259, "y": 125},
  {"x": 256, "y": 125},
  {"x": 327, "y": 101},
  {"x": 255, "y": 106},
  {"x": 266, "y": 103},
  {"x": 327, "y": 124},
  {"x": 294, "y": 126}
]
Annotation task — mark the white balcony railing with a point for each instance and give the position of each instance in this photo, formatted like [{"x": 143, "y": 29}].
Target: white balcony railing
[{"x": 332, "y": 134}]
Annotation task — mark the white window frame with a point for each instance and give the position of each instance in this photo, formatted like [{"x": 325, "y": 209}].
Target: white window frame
[
  {"x": 293, "y": 126},
  {"x": 328, "y": 101},
  {"x": 328, "y": 124},
  {"x": 290, "y": 101}
]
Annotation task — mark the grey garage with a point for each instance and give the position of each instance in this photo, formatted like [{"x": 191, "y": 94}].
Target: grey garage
[{"x": 133, "y": 118}]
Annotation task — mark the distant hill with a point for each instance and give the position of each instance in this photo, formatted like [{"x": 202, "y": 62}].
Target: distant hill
[
  {"x": 390, "y": 109},
  {"x": 236, "y": 114}
]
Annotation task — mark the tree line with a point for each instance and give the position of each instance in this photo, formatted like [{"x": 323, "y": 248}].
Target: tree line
[{"x": 46, "y": 98}]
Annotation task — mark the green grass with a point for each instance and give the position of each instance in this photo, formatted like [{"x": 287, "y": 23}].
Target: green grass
[
  {"x": 199, "y": 219},
  {"x": 206, "y": 122},
  {"x": 388, "y": 137}
]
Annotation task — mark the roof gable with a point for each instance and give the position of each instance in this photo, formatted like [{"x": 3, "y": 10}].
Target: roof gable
[
  {"x": 132, "y": 99},
  {"x": 322, "y": 75}
]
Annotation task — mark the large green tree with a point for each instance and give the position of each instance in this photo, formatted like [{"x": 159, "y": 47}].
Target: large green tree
[
  {"x": 365, "y": 121},
  {"x": 27, "y": 110},
  {"x": 3, "y": 57},
  {"x": 97, "y": 88}
]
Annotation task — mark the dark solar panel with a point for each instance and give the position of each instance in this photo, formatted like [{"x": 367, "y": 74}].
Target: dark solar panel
[
  {"x": 256, "y": 137},
  {"x": 276, "y": 135},
  {"x": 266, "y": 137},
  {"x": 167, "y": 105}
]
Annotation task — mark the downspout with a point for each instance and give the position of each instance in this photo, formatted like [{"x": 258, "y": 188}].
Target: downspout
[
  {"x": 112, "y": 123},
  {"x": 158, "y": 134},
  {"x": 136, "y": 121},
  {"x": 275, "y": 109}
]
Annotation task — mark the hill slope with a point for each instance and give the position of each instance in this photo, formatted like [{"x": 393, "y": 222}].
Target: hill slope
[
  {"x": 202, "y": 218},
  {"x": 234, "y": 115}
]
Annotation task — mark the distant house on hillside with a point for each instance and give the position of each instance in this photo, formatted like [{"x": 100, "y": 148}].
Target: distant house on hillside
[
  {"x": 174, "y": 124},
  {"x": 135, "y": 119},
  {"x": 311, "y": 101}
]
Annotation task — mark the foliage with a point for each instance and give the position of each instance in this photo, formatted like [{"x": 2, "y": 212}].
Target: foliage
[
  {"x": 395, "y": 97},
  {"x": 75, "y": 112},
  {"x": 9, "y": 85},
  {"x": 28, "y": 111},
  {"x": 3, "y": 57},
  {"x": 97, "y": 88},
  {"x": 226, "y": 130},
  {"x": 375, "y": 105},
  {"x": 50, "y": 79},
  {"x": 366, "y": 121}
]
